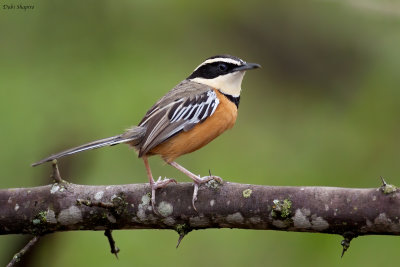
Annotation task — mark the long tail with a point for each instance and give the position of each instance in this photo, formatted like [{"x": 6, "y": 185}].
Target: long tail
[{"x": 132, "y": 135}]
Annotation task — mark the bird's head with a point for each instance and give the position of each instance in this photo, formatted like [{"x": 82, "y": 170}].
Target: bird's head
[{"x": 223, "y": 72}]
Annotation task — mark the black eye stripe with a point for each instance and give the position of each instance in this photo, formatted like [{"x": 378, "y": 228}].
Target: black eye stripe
[{"x": 213, "y": 70}]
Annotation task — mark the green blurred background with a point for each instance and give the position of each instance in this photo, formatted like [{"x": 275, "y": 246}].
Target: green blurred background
[{"x": 323, "y": 111}]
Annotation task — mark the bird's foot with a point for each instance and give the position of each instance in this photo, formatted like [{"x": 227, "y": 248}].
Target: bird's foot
[
  {"x": 196, "y": 179},
  {"x": 156, "y": 185},
  {"x": 202, "y": 180}
]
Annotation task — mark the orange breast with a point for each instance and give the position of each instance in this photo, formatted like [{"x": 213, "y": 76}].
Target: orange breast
[{"x": 223, "y": 119}]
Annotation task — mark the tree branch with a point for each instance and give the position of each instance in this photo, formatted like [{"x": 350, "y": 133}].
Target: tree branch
[
  {"x": 66, "y": 207},
  {"x": 17, "y": 257}
]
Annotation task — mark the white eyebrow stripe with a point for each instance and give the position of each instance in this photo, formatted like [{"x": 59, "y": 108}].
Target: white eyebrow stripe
[{"x": 220, "y": 59}]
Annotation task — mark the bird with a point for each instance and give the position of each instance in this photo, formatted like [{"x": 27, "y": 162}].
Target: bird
[{"x": 186, "y": 118}]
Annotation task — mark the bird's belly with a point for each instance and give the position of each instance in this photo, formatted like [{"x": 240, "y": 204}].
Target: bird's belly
[{"x": 223, "y": 119}]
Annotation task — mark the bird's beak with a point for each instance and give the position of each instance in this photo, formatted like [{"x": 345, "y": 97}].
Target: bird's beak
[{"x": 248, "y": 66}]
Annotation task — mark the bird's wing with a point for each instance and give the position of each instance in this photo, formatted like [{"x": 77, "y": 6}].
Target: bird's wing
[{"x": 179, "y": 110}]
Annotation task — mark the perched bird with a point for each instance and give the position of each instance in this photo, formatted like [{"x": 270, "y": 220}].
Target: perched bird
[{"x": 185, "y": 119}]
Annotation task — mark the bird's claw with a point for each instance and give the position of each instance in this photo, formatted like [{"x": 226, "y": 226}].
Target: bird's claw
[
  {"x": 156, "y": 185},
  {"x": 202, "y": 180}
]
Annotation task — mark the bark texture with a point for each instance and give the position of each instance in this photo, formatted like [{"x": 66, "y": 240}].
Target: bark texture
[{"x": 66, "y": 207}]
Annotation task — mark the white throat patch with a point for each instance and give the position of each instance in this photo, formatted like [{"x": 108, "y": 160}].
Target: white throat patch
[{"x": 230, "y": 84}]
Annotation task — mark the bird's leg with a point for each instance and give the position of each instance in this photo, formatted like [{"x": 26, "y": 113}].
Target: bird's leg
[
  {"x": 155, "y": 185},
  {"x": 196, "y": 179}
]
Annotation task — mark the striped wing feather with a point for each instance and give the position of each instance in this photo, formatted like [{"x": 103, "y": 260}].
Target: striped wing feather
[{"x": 180, "y": 112}]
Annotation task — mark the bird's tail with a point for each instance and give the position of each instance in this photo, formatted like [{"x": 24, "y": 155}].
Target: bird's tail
[{"x": 132, "y": 135}]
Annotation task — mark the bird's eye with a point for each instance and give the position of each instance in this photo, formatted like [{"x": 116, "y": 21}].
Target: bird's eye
[{"x": 222, "y": 67}]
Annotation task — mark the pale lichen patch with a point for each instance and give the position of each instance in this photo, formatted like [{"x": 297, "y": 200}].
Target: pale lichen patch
[
  {"x": 16, "y": 208},
  {"x": 247, "y": 193},
  {"x": 389, "y": 189},
  {"x": 235, "y": 218},
  {"x": 318, "y": 223},
  {"x": 54, "y": 188},
  {"x": 51, "y": 217},
  {"x": 99, "y": 195},
  {"x": 42, "y": 216},
  {"x": 169, "y": 221},
  {"x": 326, "y": 207},
  {"x": 141, "y": 213},
  {"x": 300, "y": 218},
  {"x": 165, "y": 209},
  {"x": 213, "y": 184},
  {"x": 212, "y": 202},
  {"x": 69, "y": 216},
  {"x": 384, "y": 223},
  {"x": 306, "y": 212},
  {"x": 381, "y": 219},
  {"x": 281, "y": 209},
  {"x": 255, "y": 220},
  {"x": 145, "y": 199}
]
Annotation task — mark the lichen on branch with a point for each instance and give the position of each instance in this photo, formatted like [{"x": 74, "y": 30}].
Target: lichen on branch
[{"x": 64, "y": 206}]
